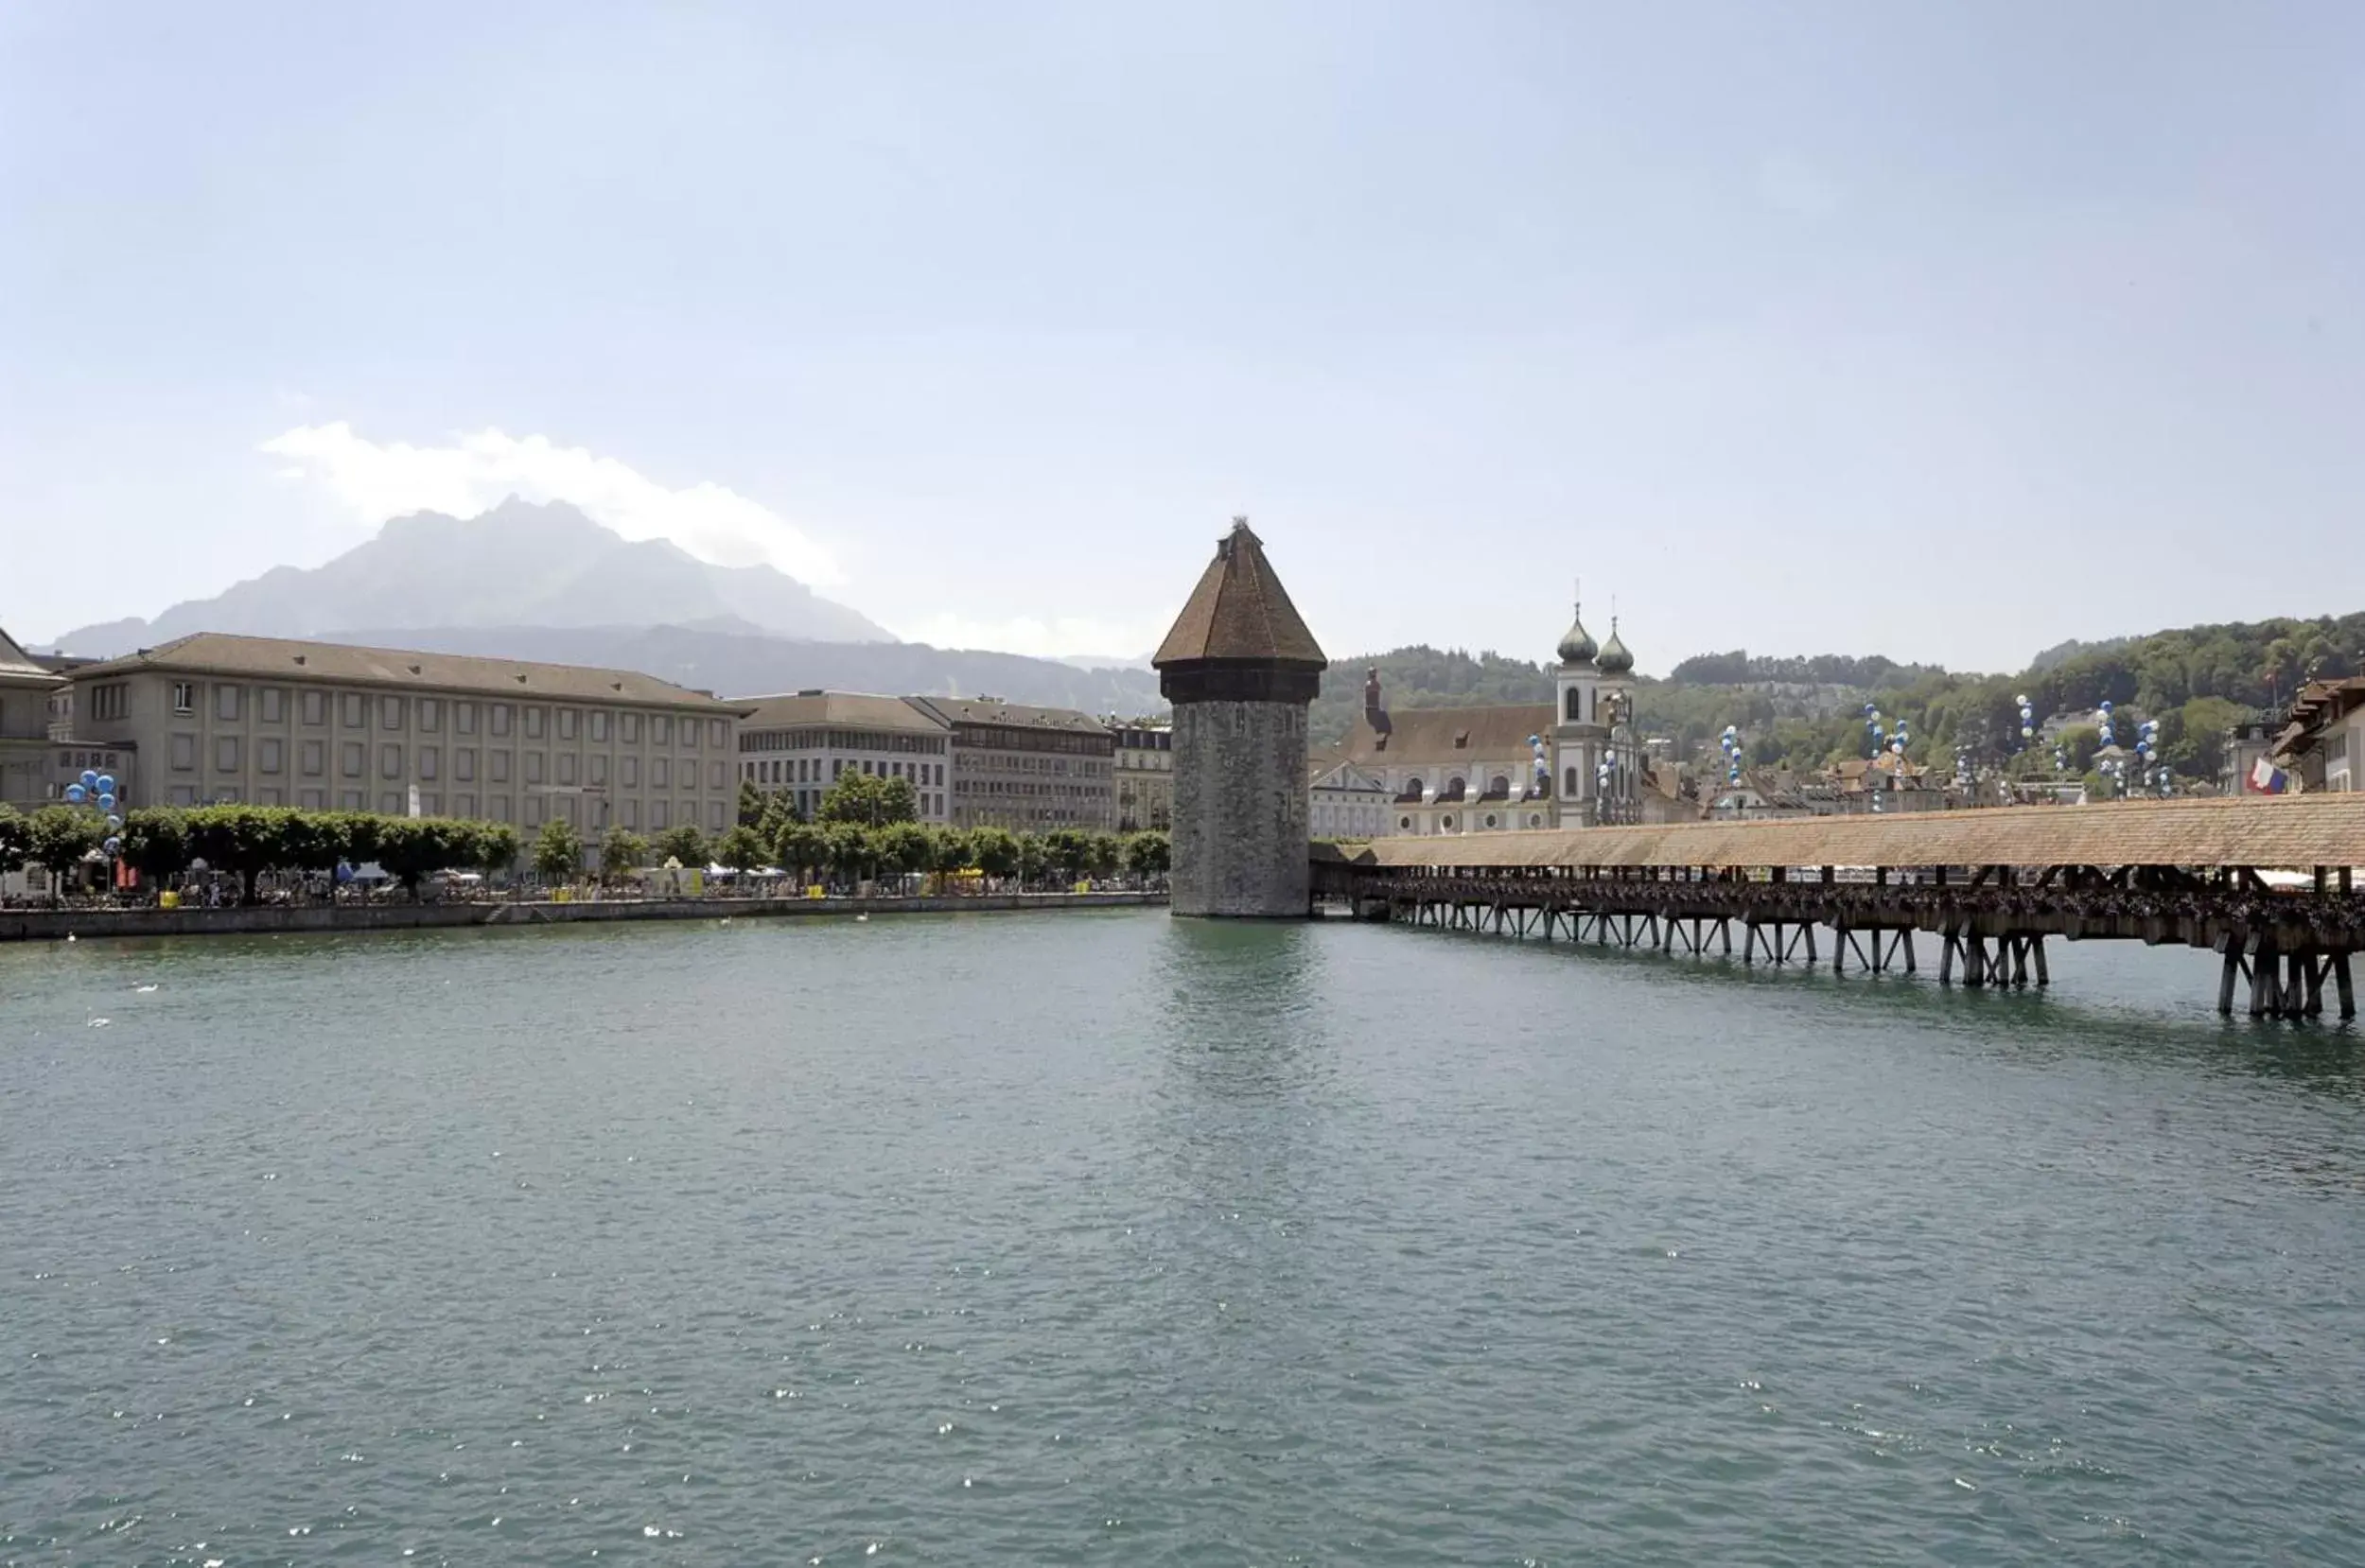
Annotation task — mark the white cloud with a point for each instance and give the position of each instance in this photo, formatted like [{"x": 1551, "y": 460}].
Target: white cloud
[
  {"x": 1061, "y": 636},
  {"x": 376, "y": 481}
]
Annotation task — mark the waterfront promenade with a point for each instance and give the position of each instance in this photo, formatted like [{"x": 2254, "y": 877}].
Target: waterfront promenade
[{"x": 34, "y": 925}]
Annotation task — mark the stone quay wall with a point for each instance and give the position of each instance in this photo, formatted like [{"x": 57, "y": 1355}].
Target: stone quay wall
[
  {"x": 1240, "y": 808},
  {"x": 34, "y": 925}
]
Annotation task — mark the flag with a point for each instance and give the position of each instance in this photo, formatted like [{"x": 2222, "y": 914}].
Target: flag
[{"x": 2267, "y": 779}]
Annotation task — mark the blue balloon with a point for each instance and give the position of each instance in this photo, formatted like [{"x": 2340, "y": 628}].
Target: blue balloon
[
  {"x": 90, "y": 777},
  {"x": 107, "y": 801},
  {"x": 114, "y": 846},
  {"x": 106, "y": 783},
  {"x": 114, "y": 823},
  {"x": 74, "y": 793}
]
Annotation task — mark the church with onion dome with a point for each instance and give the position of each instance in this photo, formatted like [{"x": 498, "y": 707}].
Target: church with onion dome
[{"x": 1573, "y": 762}]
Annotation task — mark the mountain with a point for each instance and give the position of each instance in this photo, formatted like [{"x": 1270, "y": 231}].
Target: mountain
[
  {"x": 519, "y": 565},
  {"x": 743, "y": 665}
]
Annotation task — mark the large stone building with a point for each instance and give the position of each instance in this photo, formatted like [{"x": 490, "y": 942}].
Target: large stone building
[
  {"x": 1144, "y": 776},
  {"x": 801, "y": 744},
  {"x": 2322, "y": 746},
  {"x": 40, "y": 753},
  {"x": 1572, "y": 762},
  {"x": 1240, "y": 669},
  {"x": 1028, "y": 769},
  {"x": 325, "y": 726}
]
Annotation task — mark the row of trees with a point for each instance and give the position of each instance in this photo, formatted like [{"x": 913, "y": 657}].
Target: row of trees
[
  {"x": 855, "y": 851},
  {"x": 163, "y": 842}
]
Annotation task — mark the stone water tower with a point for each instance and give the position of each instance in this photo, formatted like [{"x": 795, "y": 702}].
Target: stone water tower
[{"x": 1239, "y": 668}]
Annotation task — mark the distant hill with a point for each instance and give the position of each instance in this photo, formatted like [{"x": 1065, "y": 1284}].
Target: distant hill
[
  {"x": 741, "y": 665},
  {"x": 519, "y": 565},
  {"x": 1739, "y": 667}
]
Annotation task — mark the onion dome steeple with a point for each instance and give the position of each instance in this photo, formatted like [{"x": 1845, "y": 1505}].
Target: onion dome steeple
[
  {"x": 1614, "y": 659},
  {"x": 1576, "y": 644}
]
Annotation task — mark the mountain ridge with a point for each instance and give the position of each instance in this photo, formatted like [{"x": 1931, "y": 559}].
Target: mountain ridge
[{"x": 520, "y": 563}]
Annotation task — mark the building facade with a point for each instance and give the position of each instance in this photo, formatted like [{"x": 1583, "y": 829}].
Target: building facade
[
  {"x": 801, "y": 745},
  {"x": 1145, "y": 778},
  {"x": 1028, "y": 769},
  {"x": 268, "y": 721},
  {"x": 2321, "y": 747},
  {"x": 1347, "y": 801},
  {"x": 40, "y": 753}
]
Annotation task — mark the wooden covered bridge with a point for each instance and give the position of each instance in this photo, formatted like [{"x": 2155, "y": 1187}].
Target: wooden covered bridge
[{"x": 2266, "y": 882}]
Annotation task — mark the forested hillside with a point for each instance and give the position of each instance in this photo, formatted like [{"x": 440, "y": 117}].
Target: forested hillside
[{"x": 1807, "y": 712}]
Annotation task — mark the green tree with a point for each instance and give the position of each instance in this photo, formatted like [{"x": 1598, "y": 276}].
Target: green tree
[
  {"x": 779, "y": 810},
  {"x": 870, "y": 800},
  {"x": 852, "y": 854},
  {"x": 803, "y": 847},
  {"x": 1067, "y": 850},
  {"x": 682, "y": 843},
  {"x": 752, "y": 802},
  {"x": 57, "y": 837},
  {"x": 1103, "y": 853},
  {"x": 16, "y": 840},
  {"x": 951, "y": 849},
  {"x": 741, "y": 849},
  {"x": 1149, "y": 855},
  {"x": 558, "y": 851},
  {"x": 1034, "y": 857},
  {"x": 496, "y": 845},
  {"x": 621, "y": 852},
  {"x": 410, "y": 848},
  {"x": 903, "y": 846},
  {"x": 995, "y": 851}
]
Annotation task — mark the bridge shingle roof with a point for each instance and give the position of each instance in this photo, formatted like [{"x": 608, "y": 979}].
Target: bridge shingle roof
[{"x": 2290, "y": 832}]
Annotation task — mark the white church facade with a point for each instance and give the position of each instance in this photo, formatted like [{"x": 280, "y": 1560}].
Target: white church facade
[{"x": 1573, "y": 762}]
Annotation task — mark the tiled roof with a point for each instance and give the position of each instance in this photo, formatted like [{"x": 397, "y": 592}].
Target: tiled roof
[
  {"x": 1425, "y": 737},
  {"x": 1240, "y": 611},
  {"x": 2289, "y": 831},
  {"x": 219, "y": 653},
  {"x": 18, "y": 665},
  {"x": 986, "y": 710},
  {"x": 837, "y": 707}
]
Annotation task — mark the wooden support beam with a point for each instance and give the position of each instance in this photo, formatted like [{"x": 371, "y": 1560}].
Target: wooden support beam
[
  {"x": 2341, "y": 980},
  {"x": 2226, "y": 977},
  {"x": 2036, "y": 951}
]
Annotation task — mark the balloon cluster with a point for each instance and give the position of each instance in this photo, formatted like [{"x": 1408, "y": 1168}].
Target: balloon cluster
[
  {"x": 98, "y": 789},
  {"x": 1730, "y": 742},
  {"x": 2106, "y": 722},
  {"x": 2027, "y": 718},
  {"x": 1543, "y": 763},
  {"x": 1962, "y": 767},
  {"x": 1873, "y": 732},
  {"x": 2147, "y": 747},
  {"x": 2061, "y": 760}
]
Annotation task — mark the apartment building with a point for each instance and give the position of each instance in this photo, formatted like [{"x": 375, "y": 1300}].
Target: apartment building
[
  {"x": 1026, "y": 769},
  {"x": 802, "y": 743},
  {"x": 324, "y": 726},
  {"x": 1144, "y": 776},
  {"x": 38, "y": 752}
]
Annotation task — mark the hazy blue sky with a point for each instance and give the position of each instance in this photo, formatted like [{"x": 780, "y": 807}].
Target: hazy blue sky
[{"x": 1942, "y": 331}]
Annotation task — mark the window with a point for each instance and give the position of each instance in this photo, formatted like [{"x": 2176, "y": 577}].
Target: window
[
  {"x": 226, "y": 754},
  {"x": 351, "y": 800},
  {"x": 183, "y": 794},
  {"x": 629, "y": 771},
  {"x": 183, "y": 753},
  {"x": 464, "y": 763},
  {"x": 534, "y": 722},
  {"x": 657, "y": 816},
  {"x": 184, "y": 697},
  {"x": 349, "y": 759},
  {"x": 714, "y": 775},
  {"x": 690, "y": 734},
  {"x": 311, "y": 759},
  {"x": 271, "y": 704},
  {"x": 390, "y": 712},
  {"x": 110, "y": 701},
  {"x": 390, "y": 804},
  {"x": 599, "y": 727},
  {"x": 714, "y": 816},
  {"x": 430, "y": 758},
  {"x": 566, "y": 724},
  {"x": 267, "y": 754},
  {"x": 390, "y": 760},
  {"x": 430, "y": 715},
  {"x": 463, "y": 718},
  {"x": 313, "y": 706},
  {"x": 631, "y": 723},
  {"x": 565, "y": 767},
  {"x": 352, "y": 709},
  {"x": 631, "y": 813},
  {"x": 660, "y": 772},
  {"x": 599, "y": 771},
  {"x": 464, "y": 805},
  {"x": 501, "y": 718},
  {"x": 312, "y": 800},
  {"x": 499, "y": 770},
  {"x": 496, "y": 807},
  {"x": 533, "y": 767},
  {"x": 430, "y": 804},
  {"x": 661, "y": 729}
]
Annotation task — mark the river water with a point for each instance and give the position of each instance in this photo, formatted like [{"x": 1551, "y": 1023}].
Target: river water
[{"x": 1106, "y": 1238}]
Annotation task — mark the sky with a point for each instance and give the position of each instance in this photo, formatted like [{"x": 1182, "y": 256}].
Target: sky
[{"x": 1939, "y": 331}]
